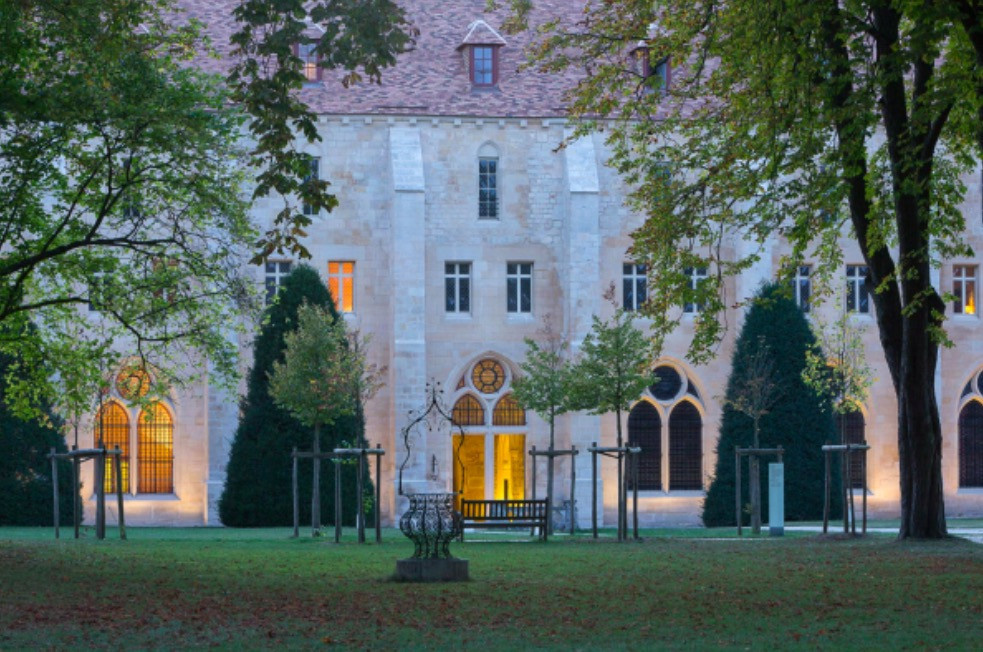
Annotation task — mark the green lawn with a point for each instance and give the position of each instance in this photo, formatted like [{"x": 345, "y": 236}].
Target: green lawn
[{"x": 179, "y": 588}]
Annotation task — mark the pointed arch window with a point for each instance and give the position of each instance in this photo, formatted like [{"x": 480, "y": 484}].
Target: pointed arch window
[
  {"x": 468, "y": 412},
  {"x": 685, "y": 447},
  {"x": 507, "y": 412},
  {"x": 645, "y": 431},
  {"x": 113, "y": 430},
  {"x": 971, "y": 445},
  {"x": 155, "y": 450}
]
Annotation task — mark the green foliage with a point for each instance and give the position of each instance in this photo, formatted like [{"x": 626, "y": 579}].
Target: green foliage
[
  {"x": 807, "y": 122},
  {"x": 120, "y": 190},
  {"x": 798, "y": 420},
  {"x": 25, "y": 470},
  {"x": 257, "y": 486},
  {"x": 837, "y": 368},
  {"x": 360, "y": 37},
  {"x": 612, "y": 371},
  {"x": 317, "y": 382},
  {"x": 544, "y": 386}
]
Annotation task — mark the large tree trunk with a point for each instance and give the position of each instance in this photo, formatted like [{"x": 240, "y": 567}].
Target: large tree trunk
[{"x": 920, "y": 433}]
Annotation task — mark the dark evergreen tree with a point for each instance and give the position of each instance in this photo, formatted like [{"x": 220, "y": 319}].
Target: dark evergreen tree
[
  {"x": 799, "y": 420},
  {"x": 258, "y": 477},
  {"x": 25, "y": 470}
]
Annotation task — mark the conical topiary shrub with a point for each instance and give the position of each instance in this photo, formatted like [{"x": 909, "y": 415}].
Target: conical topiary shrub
[
  {"x": 258, "y": 478},
  {"x": 799, "y": 420}
]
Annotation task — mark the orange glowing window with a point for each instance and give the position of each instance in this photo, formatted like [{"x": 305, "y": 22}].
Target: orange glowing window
[
  {"x": 964, "y": 288},
  {"x": 488, "y": 376},
  {"x": 341, "y": 283},
  {"x": 112, "y": 431},
  {"x": 155, "y": 450},
  {"x": 468, "y": 412},
  {"x": 132, "y": 382},
  {"x": 508, "y": 412}
]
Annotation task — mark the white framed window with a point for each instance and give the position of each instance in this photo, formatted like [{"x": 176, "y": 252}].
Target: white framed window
[
  {"x": 457, "y": 288},
  {"x": 857, "y": 299},
  {"x": 341, "y": 284},
  {"x": 634, "y": 285},
  {"x": 518, "y": 284},
  {"x": 276, "y": 272},
  {"x": 802, "y": 286},
  {"x": 964, "y": 287},
  {"x": 696, "y": 275},
  {"x": 488, "y": 188},
  {"x": 313, "y": 174}
]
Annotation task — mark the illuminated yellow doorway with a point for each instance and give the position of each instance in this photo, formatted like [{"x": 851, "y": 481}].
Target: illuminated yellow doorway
[
  {"x": 469, "y": 467},
  {"x": 510, "y": 467}
]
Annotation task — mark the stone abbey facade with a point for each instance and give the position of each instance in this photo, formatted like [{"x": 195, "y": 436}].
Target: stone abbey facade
[{"x": 461, "y": 228}]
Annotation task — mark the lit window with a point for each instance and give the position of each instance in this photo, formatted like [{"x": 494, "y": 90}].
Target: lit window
[
  {"x": 468, "y": 412},
  {"x": 113, "y": 431},
  {"x": 313, "y": 174},
  {"x": 488, "y": 188},
  {"x": 519, "y": 285},
  {"x": 696, "y": 276},
  {"x": 276, "y": 272},
  {"x": 309, "y": 61},
  {"x": 508, "y": 412},
  {"x": 457, "y": 287},
  {"x": 802, "y": 287},
  {"x": 341, "y": 283},
  {"x": 964, "y": 287},
  {"x": 857, "y": 299},
  {"x": 155, "y": 450},
  {"x": 484, "y": 65},
  {"x": 634, "y": 285}
]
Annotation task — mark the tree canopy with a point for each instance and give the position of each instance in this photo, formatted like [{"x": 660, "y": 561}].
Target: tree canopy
[
  {"x": 738, "y": 123},
  {"x": 120, "y": 181}
]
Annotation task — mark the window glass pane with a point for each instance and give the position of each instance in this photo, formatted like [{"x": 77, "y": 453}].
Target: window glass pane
[
  {"x": 450, "y": 295},
  {"x": 513, "y": 294},
  {"x": 525, "y": 304},
  {"x": 465, "y": 294}
]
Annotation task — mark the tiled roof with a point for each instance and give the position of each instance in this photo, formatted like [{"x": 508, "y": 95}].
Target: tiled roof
[{"x": 431, "y": 79}]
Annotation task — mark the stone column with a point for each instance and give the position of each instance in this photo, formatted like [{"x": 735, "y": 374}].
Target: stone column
[
  {"x": 581, "y": 278},
  {"x": 408, "y": 283}
]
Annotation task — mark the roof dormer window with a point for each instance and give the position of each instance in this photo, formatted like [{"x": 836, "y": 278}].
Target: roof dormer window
[
  {"x": 655, "y": 76},
  {"x": 310, "y": 61},
  {"x": 484, "y": 65},
  {"x": 481, "y": 47}
]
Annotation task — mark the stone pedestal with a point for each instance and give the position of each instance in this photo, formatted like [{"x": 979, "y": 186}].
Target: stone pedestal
[{"x": 449, "y": 569}]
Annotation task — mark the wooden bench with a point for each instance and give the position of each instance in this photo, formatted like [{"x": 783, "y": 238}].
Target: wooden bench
[{"x": 504, "y": 514}]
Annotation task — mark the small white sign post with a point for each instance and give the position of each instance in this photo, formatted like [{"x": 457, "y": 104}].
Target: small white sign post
[{"x": 776, "y": 499}]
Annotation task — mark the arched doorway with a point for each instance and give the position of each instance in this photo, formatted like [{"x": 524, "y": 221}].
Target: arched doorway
[{"x": 489, "y": 452}]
